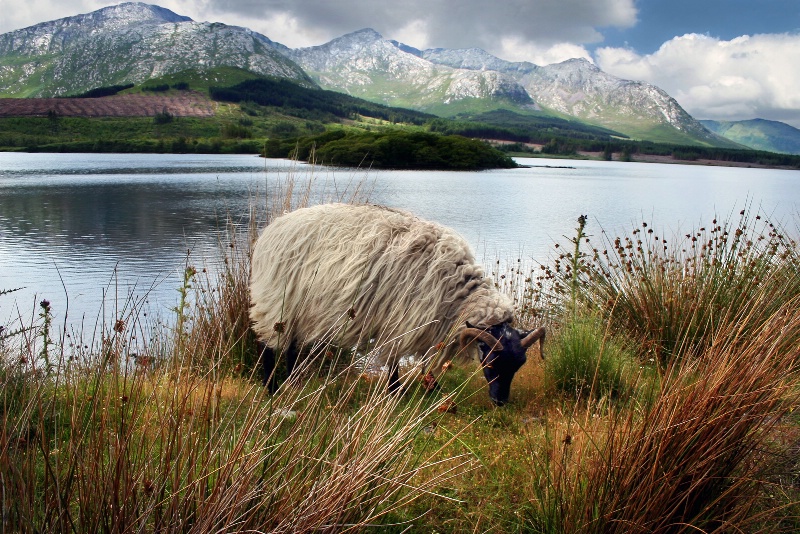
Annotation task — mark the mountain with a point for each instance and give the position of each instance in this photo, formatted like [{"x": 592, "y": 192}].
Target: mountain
[
  {"x": 128, "y": 43},
  {"x": 366, "y": 65},
  {"x": 135, "y": 42},
  {"x": 759, "y": 134},
  {"x": 448, "y": 82},
  {"x": 578, "y": 88}
]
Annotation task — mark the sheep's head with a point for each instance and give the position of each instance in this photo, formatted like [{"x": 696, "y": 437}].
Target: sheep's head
[{"x": 503, "y": 349}]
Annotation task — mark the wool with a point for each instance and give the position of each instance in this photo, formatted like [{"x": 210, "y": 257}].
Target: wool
[{"x": 365, "y": 275}]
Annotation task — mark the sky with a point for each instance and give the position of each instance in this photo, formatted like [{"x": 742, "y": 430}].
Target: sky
[{"x": 720, "y": 59}]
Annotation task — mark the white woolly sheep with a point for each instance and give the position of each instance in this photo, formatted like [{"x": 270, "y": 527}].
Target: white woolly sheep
[{"x": 364, "y": 274}]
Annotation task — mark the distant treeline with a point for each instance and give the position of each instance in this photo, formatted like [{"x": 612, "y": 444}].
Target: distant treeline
[
  {"x": 164, "y": 87},
  {"x": 312, "y": 103},
  {"x": 103, "y": 91},
  {"x": 111, "y": 90},
  {"x": 684, "y": 153},
  {"x": 391, "y": 150},
  {"x": 170, "y": 146}
]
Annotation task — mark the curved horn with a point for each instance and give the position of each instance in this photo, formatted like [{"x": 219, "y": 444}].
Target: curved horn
[
  {"x": 474, "y": 333},
  {"x": 531, "y": 338}
]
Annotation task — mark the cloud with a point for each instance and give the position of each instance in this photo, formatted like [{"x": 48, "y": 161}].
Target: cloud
[
  {"x": 514, "y": 49},
  {"x": 743, "y": 78},
  {"x": 517, "y": 30},
  {"x": 24, "y": 14},
  {"x": 432, "y": 23}
]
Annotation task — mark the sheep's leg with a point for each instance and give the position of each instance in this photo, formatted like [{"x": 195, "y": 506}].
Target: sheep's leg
[
  {"x": 394, "y": 377},
  {"x": 267, "y": 357}
]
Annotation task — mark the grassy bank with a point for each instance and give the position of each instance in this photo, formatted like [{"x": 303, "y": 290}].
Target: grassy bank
[{"x": 665, "y": 404}]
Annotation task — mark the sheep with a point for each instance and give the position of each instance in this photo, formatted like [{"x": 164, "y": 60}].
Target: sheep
[{"x": 384, "y": 277}]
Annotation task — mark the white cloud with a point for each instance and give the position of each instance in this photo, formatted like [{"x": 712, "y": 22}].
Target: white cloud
[
  {"x": 415, "y": 32},
  {"x": 744, "y": 78},
  {"x": 514, "y": 49}
]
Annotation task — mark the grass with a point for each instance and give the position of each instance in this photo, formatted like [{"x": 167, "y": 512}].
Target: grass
[{"x": 665, "y": 404}]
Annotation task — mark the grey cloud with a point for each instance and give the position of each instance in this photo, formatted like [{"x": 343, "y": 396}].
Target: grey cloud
[{"x": 451, "y": 23}]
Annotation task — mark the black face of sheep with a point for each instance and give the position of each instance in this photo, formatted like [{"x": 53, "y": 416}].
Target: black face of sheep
[{"x": 503, "y": 349}]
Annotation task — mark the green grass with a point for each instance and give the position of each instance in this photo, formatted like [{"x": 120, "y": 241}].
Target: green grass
[{"x": 584, "y": 361}]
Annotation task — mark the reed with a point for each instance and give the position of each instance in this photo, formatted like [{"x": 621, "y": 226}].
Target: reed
[
  {"x": 700, "y": 452},
  {"x": 673, "y": 295}
]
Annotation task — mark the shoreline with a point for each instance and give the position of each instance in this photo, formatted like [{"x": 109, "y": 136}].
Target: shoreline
[{"x": 652, "y": 158}]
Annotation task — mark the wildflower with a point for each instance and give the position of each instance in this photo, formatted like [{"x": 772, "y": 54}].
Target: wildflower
[
  {"x": 448, "y": 406},
  {"x": 279, "y": 327},
  {"x": 119, "y": 326},
  {"x": 429, "y": 382}
]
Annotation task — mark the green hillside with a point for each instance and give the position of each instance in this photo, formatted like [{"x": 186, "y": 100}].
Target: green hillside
[{"x": 759, "y": 134}]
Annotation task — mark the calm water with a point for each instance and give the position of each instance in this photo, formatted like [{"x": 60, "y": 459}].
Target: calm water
[{"x": 95, "y": 228}]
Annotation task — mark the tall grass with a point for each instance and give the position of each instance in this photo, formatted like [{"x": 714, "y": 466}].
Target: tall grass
[
  {"x": 104, "y": 446},
  {"x": 173, "y": 435},
  {"x": 698, "y": 458},
  {"x": 722, "y": 314},
  {"x": 176, "y": 434},
  {"x": 673, "y": 295}
]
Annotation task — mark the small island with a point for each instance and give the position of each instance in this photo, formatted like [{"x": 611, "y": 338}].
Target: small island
[{"x": 393, "y": 149}]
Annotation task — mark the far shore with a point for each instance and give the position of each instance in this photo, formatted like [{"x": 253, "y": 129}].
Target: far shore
[{"x": 651, "y": 158}]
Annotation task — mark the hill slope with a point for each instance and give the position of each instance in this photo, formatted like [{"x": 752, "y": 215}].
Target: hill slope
[{"x": 759, "y": 134}]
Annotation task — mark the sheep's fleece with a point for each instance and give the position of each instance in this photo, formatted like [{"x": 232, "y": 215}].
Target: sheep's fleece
[{"x": 359, "y": 274}]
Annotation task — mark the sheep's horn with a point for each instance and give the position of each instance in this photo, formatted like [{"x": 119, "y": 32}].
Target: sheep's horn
[
  {"x": 537, "y": 334},
  {"x": 474, "y": 333}
]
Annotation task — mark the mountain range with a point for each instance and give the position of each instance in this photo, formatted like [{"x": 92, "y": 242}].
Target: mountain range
[{"x": 134, "y": 42}]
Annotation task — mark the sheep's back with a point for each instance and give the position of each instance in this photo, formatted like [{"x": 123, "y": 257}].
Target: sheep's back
[{"x": 352, "y": 274}]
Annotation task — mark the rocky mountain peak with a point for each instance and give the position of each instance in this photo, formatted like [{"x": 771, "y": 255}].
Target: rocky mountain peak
[
  {"x": 475, "y": 59},
  {"x": 134, "y": 13},
  {"x": 364, "y": 36}
]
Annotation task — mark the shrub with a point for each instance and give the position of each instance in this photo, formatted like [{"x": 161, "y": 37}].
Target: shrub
[
  {"x": 584, "y": 360},
  {"x": 671, "y": 296},
  {"x": 236, "y": 131},
  {"x": 164, "y": 117}
]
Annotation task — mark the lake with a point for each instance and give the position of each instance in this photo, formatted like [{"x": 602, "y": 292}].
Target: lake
[{"x": 86, "y": 231}]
